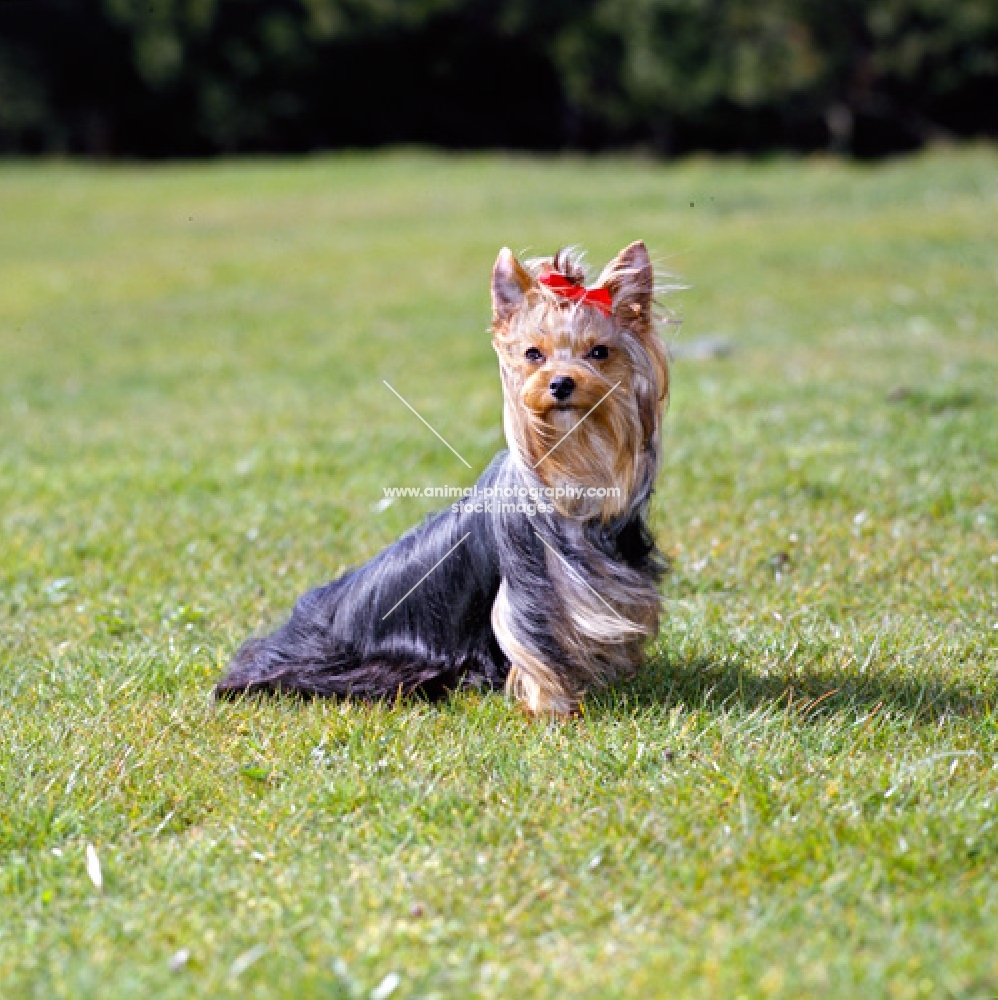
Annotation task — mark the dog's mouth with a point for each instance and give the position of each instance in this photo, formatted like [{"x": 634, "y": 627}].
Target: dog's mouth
[{"x": 564, "y": 417}]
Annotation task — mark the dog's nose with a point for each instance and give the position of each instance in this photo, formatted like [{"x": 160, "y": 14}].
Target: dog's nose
[{"x": 562, "y": 387}]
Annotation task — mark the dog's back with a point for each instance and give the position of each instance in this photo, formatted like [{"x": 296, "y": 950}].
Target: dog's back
[{"x": 414, "y": 618}]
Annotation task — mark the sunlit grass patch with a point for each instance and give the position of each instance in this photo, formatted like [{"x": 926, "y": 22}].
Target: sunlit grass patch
[{"x": 797, "y": 797}]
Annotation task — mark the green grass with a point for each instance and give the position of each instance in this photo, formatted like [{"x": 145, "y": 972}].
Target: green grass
[{"x": 193, "y": 430}]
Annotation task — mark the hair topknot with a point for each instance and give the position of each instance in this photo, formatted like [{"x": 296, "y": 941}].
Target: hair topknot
[{"x": 569, "y": 261}]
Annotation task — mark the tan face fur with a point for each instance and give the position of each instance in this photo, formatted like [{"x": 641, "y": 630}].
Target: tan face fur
[{"x": 583, "y": 392}]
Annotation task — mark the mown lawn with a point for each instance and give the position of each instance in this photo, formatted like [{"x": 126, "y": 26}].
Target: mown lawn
[{"x": 800, "y": 796}]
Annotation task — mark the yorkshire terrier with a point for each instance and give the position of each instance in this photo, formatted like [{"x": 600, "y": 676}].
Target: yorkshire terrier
[{"x": 549, "y": 599}]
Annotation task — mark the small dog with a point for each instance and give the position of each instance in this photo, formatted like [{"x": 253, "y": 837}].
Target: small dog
[{"x": 549, "y": 599}]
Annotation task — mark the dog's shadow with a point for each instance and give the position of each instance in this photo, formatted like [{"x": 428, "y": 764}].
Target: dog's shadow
[{"x": 700, "y": 682}]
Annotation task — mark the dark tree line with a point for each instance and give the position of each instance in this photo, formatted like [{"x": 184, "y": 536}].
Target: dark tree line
[{"x": 155, "y": 78}]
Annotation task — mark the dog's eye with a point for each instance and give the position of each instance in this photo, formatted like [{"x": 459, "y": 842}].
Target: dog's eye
[
  {"x": 599, "y": 353},
  {"x": 532, "y": 354}
]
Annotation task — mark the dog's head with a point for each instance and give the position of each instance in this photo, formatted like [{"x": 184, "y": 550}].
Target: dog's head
[{"x": 584, "y": 372}]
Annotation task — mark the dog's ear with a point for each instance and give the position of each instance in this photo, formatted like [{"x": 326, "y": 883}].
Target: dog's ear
[
  {"x": 630, "y": 280},
  {"x": 509, "y": 285}
]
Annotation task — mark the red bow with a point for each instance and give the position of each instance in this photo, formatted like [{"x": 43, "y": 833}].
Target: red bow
[{"x": 598, "y": 298}]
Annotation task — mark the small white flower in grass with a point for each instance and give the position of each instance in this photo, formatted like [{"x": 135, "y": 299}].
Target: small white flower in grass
[
  {"x": 383, "y": 504},
  {"x": 386, "y": 987},
  {"x": 246, "y": 959},
  {"x": 57, "y": 587},
  {"x": 179, "y": 959},
  {"x": 93, "y": 867}
]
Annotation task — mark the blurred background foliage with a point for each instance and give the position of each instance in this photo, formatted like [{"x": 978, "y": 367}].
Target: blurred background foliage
[{"x": 154, "y": 78}]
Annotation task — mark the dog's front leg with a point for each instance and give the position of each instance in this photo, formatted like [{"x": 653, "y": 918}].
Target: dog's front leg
[{"x": 533, "y": 680}]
